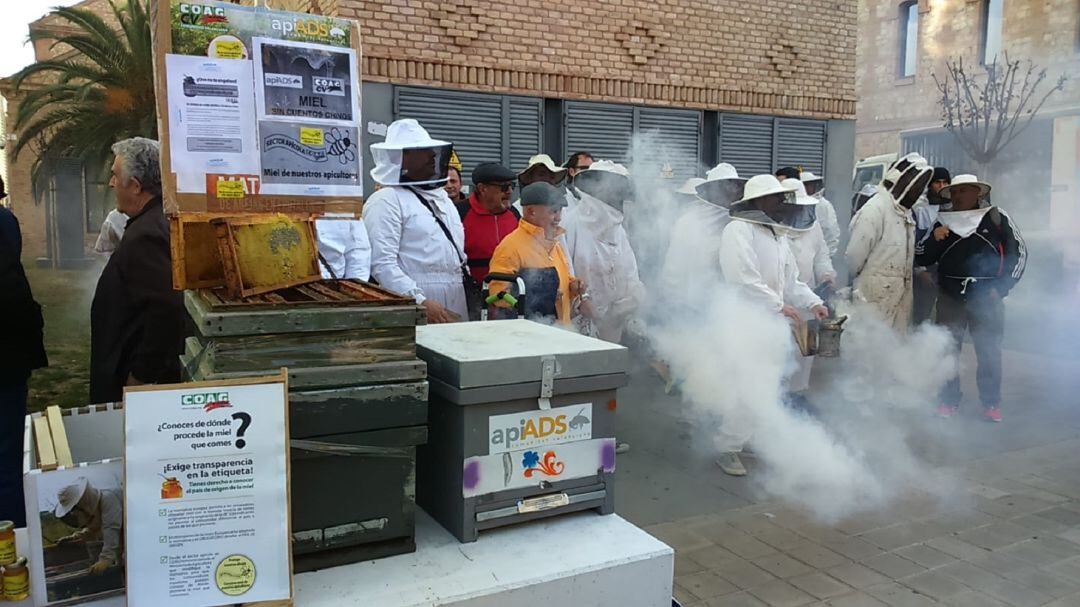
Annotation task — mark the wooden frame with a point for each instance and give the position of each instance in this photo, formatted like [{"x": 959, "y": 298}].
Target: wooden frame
[
  {"x": 282, "y": 378},
  {"x": 240, "y": 267}
]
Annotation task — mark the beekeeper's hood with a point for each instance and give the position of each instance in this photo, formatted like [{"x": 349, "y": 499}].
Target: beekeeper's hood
[
  {"x": 607, "y": 181},
  {"x": 907, "y": 177},
  {"x": 69, "y": 497},
  {"x": 689, "y": 187},
  {"x": 722, "y": 185},
  {"x": 767, "y": 202},
  {"x": 410, "y": 157},
  {"x": 818, "y": 182}
]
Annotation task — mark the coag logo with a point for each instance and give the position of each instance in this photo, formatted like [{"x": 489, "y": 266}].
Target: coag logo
[
  {"x": 207, "y": 401},
  {"x": 197, "y": 14}
]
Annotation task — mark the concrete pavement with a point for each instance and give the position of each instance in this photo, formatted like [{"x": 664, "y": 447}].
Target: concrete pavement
[{"x": 1008, "y": 535}]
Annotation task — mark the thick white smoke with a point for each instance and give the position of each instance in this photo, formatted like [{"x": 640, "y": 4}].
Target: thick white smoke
[{"x": 732, "y": 359}]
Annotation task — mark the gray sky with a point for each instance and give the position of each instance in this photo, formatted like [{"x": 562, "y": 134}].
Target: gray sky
[{"x": 15, "y": 51}]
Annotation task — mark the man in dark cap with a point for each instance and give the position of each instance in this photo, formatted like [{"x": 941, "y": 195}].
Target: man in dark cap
[
  {"x": 926, "y": 212},
  {"x": 23, "y": 351},
  {"x": 534, "y": 250},
  {"x": 787, "y": 173},
  {"x": 490, "y": 217}
]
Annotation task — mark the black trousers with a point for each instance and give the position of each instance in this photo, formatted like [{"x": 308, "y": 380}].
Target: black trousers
[
  {"x": 984, "y": 317},
  {"x": 12, "y": 419},
  {"x": 925, "y": 294}
]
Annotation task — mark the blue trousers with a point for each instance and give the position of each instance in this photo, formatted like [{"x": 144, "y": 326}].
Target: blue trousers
[{"x": 12, "y": 420}]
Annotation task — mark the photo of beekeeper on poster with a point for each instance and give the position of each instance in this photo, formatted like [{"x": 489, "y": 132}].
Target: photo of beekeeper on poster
[{"x": 304, "y": 81}]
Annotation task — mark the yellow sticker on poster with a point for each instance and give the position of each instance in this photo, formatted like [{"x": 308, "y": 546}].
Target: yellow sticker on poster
[
  {"x": 230, "y": 189},
  {"x": 235, "y": 575},
  {"x": 312, "y": 137}
]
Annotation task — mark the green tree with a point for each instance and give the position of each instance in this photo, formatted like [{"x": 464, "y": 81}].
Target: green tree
[{"x": 99, "y": 92}]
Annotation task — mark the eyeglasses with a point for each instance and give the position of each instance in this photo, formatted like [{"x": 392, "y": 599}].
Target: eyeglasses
[{"x": 506, "y": 187}]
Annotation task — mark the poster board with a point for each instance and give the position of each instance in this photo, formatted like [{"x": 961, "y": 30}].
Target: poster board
[
  {"x": 225, "y": 149},
  {"x": 206, "y": 501}
]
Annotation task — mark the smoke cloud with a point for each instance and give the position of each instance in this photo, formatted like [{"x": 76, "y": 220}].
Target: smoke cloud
[{"x": 732, "y": 359}]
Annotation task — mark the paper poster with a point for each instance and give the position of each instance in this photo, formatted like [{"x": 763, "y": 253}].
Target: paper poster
[
  {"x": 224, "y": 30},
  {"x": 485, "y": 474},
  {"x": 207, "y": 494},
  {"x": 306, "y": 82},
  {"x": 310, "y": 159},
  {"x": 211, "y": 119}
]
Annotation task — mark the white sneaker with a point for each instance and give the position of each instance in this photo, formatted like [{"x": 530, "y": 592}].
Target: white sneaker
[
  {"x": 621, "y": 448},
  {"x": 731, "y": 464}
]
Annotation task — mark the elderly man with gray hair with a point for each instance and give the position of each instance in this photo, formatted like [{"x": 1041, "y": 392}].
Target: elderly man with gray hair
[{"x": 137, "y": 320}]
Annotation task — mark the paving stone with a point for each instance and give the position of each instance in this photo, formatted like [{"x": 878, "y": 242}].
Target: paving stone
[
  {"x": 819, "y": 585},
  {"x": 968, "y": 574},
  {"x": 709, "y": 557},
  {"x": 858, "y": 599},
  {"x": 1034, "y": 552},
  {"x": 706, "y": 585},
  {"x": 1015, "y": 594},
  {"x": 781, "y": 539},
  {"x": 986, "y": 491},
  {"x": 893, "y": 566},
  {"x": 1062, "y": 515},
  {"x": 866, "y": 522},
  {"x": 815, "y": 555},
  {"x": 781, "y": 565},
  {"x": 779, "y": 593},
  {"x": 1068, "y": 569},
  {"x": 961, "y": 520},
  {"x": 903, "y": 534},
  {"x": 741, "y": 599},
  {"x": 1044, "y": 582},
  {"x": 683, "y": 595},
  {"x": 857, "y": 576},
  {"x": 1039, "y": 524},
  {"x": 684, "y": 565},
  {"x": 997, "y": 535},
  {"x": 925, "y": 555},
  {"x": 934, "y": 584},
  {"x": 899, "y": 596},
  {"x": 1069, "y": 601},
  {"x": 678, "y": 536},
  {"x": 999, "y": 563},
  {"x": 1013, "y": 505},
  {"x": 747, "y": 547},
  {"x": 743, "y": 573},
  {"x": 972, "y": 598},
  {"x": 956, "y": 547},
  {"x": 854, "y": 548},
  {"x": 714, "y": 532},
  {"x": 1072, "y": 535}
]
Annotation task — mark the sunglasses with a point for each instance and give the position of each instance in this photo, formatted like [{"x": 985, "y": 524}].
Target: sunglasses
[{"x": 506, "y": 187}]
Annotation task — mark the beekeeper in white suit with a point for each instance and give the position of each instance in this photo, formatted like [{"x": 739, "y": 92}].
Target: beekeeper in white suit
[
  {"x": 599, "y": 247},
  {"x": 417, "y": 240},
  {"x": 826, "y": 212},
  {"x": 692, "y": 263},
  {"x": 881, "y": 252},
  {"x": 344, "y": 248},
  {"x": 756, "y": 257},
  {"x": 815, "y": 269}
]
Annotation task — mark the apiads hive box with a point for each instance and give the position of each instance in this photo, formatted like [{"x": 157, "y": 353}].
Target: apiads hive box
[{"x": 521, "y": 423}]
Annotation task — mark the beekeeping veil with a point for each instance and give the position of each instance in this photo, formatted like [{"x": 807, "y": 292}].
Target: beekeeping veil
[
  {"x": 907, "y": 178},
  {"x": 607, "y": 181},
  {"x": 410, "y": 157},
  {"x": 767, "y": 202},
  {"x": 722, "y": 185}
]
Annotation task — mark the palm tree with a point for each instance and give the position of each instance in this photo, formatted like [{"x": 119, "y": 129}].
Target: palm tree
[{"x": 99, "y": 92}]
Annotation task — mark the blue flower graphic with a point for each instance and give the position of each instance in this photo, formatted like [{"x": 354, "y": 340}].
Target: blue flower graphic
[{"x": 530, "y": 459}]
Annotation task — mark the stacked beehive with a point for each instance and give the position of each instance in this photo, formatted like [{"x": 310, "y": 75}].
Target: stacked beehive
[{"x": 357, "y": 405}]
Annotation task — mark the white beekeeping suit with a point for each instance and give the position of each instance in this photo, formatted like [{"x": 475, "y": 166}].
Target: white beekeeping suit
[
  {"x": 692, "y": 263},
  {"x": 826, "y": 212},
  {"x": 881, "y": 252},
  {"x": 600, "y": 251},
  {"x": 344, "y": 247},
  {"x": 410, "y": 252},
  {"x": 756, "y": 257}
]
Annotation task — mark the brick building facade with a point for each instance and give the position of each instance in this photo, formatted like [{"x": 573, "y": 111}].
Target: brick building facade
[
  {"x": 1038, "y": 174},
  {"x": 505, "y": 79}
]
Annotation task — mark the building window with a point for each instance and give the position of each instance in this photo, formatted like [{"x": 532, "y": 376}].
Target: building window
[
  {"x": 993, "y": 11},
  {"x": 909, "y": 38}
]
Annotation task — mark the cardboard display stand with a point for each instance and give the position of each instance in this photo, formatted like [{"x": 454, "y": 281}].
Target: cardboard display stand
[{"x": 207, "y": 493}]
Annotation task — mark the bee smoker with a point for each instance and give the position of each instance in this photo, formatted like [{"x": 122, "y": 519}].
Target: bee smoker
[{"x": 828, "y": 336}]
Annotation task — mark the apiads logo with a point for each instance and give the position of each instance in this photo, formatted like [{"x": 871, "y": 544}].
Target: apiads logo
[
  {"x": 284, "y": 81},
  {"x": 532, "y": 429},
  {"x": 207, "y": 401}
]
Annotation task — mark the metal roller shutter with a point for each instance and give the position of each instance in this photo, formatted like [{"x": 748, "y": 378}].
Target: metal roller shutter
[
  {"x": 746, "y": 142},
  {"x": 678, "y": 139},
  {"x": 483, "y": 128},
  {"x": 801, "y": 143},
  {"x": 526, "y": 131},
  {"x": 601, "y": 129}
]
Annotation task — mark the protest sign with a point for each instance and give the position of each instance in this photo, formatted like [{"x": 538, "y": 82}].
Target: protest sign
[{"x": 206, "y": 493}]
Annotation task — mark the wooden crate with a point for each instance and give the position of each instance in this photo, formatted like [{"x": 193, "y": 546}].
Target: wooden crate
[{"x": 264, "y": 253}]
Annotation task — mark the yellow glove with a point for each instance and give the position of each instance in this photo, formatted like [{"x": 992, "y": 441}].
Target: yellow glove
[{"x": 99, "y": 567}]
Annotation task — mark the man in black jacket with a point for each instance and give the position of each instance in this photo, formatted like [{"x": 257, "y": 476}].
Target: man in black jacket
[
  {"x": 981, "y": 256},
  {"x": 137, "y": 320},
  {"x": 23, "y": 351}
]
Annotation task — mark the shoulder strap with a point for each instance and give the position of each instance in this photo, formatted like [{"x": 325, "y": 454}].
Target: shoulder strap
[
  {"x": 442, "y": 226},
  {"x": 514, "y": 210}
]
